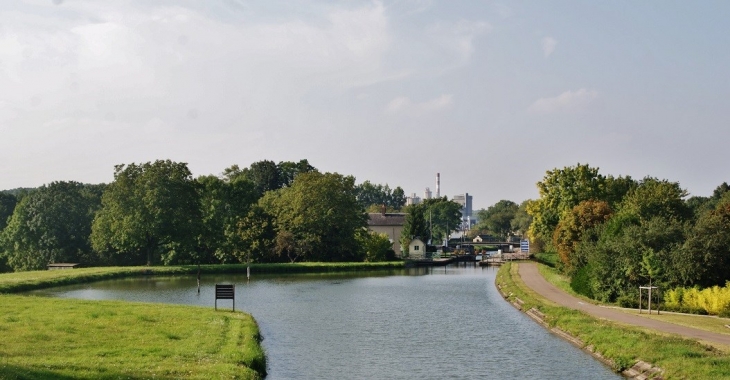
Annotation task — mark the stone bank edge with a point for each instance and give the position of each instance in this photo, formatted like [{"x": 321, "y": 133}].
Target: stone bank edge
[{"x": 639, "y": 371}]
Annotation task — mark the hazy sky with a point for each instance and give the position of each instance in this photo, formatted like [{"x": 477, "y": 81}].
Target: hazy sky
[{"x": 489, "y": 94}]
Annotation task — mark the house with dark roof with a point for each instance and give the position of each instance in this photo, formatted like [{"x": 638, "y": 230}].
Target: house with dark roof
[{"x": 390, "y": 224}]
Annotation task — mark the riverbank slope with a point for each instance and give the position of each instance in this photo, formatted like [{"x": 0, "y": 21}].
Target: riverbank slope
[
  {"x": 67, "y": 338},
  {"x": 620, "y": 345}
]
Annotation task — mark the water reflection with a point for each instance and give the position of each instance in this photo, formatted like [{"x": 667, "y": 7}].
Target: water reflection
[{"x": 425, "y": 323}]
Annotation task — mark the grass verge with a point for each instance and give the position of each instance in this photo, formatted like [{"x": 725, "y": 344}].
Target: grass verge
[
  {"x": 24, "y": 281},
  {"x": 71, "y": 339},
  {"x": 65, "y": 338},
  {"x": 680, "y": 358}
]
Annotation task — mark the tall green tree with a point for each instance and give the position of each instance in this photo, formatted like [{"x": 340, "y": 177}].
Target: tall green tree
[
  {"x": 288, "y": 171},
  {"x": 51, "y": 224},
  {"x": 561, "y": 190},
  {"x": 414, "y": 226},
  {"x": 708, "y": 245},
  {"x": 264, "y": 175},
  {"x": 257, "y": 236},
  {"x": 267, "y": 175},
  {"x": 317, "y": 217},
  {"x": 7, "y": 206},
  {"x": 223, "y": 205},
  {"x": 653, "y": 197},
  {"x": 441, "y": 216},
  {"x": 497, "y": 218},
  {"x": 369, "y": 194},
  {"x": 522, "y": 220},
  {"x": 150, "y": 213},
  {"x": 397, "y": 198},
  {"x": 571, "y": 229}
]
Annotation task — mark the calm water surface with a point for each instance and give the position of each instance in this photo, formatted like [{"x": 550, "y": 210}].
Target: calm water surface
[{"x": 440, "y": 323}]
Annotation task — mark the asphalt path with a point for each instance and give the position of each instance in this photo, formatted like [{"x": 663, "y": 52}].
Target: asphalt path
[{"x": 533, "y": 279}]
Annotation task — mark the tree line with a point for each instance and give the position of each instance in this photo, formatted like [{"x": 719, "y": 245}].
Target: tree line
[
  {"x": 614, "y": 234},
  {"x": 157, "y": 213}
]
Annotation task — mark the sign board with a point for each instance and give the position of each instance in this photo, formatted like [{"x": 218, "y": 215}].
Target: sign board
[{"x": 525, "y": 245}]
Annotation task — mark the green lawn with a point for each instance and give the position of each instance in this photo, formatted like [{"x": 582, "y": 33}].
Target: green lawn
[
  {"x": 680, "y": 358},
  {"x": 66, "y": 338}
]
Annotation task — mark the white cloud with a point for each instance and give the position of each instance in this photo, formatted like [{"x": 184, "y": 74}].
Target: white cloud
[
  {"x": 399, "y": 103},
  {"x": 403, "y": 103},
  {"x": 568, "y": 101},
  {"x": 548, "y": 46},
  {"x": 442, "y": 102},
  {"x": 455, "y": 41}
]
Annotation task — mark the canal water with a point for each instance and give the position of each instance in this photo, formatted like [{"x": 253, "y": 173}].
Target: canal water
[{"x": 426, "y": 323}]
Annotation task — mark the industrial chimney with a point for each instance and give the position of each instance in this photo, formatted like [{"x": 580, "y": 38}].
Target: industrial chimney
[{"x": 438, "y": 185}]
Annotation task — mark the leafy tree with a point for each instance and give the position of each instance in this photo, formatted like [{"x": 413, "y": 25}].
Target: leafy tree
[
  {"x": 414, "y": 226},
  {"x": 561, "y": 190},
  {"x": 700, "y": 205},
  {"x": 7, "y": 206},
  {"x": 288, "y": 171},
  {"x": 652, "y": 198},
  {"x": 522, "y": 220},
  {"x": 615, "y": 258},
  {"x": 264, "y": 175},
  {"x": 151, "y": 211},
  {"x": 231, "y": 173},
  {"x": 583, "y": 217},
  {"x": 223, "y": 205},
  {"x": 616, "y": 189},
  {"x": 268, "y": 176},
  {"x": 441, "y": 216},
  {"x": 322, "y": 215},
  {"x": 398, "y": 198},
  {"x": 498, "y": 218},
  {"x": 51, "y": 224},
  {"x": 369, "y": 194},
  {"x": 377, "y": 246},
  {"x": 650, "y": 266},
  {"x": 708, "y": 246},
  {"x": 379, "y": 209},
  {"x": 256, "y": 234}
]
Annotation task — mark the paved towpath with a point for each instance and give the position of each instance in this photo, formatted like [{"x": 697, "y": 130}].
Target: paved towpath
[{"x": 532, "y": 278}]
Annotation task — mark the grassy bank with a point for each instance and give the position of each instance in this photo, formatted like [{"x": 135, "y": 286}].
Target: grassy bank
[
  {"x": 64, "y": 339},
  {"x": 680, "y": 358},
  {"x": 23, "y": 281}
]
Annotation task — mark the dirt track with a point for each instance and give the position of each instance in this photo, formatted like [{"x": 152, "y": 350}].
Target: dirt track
[{"x": 532, "y": 278}]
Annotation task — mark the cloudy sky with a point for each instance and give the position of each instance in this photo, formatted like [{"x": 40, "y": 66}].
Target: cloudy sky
[{"x": 490, "y": 94}]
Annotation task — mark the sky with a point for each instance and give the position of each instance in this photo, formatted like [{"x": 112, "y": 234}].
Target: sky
[{"x": 490, "y": 94}]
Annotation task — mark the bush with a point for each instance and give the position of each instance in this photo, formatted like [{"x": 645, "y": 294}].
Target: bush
[
  {"x": 629, "y": 301},
  {"x": 581, "y": 282},
  {"x": 714, "y": 300}
]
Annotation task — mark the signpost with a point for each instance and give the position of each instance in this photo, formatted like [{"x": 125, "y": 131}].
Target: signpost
[{"x": 525, "y": 246}]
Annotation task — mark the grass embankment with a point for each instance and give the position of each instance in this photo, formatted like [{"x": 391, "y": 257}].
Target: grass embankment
[
  {"x": 680, "y": 358},
  {"x": 24, "y": 281},
  {"x": 64, "y": 339}
]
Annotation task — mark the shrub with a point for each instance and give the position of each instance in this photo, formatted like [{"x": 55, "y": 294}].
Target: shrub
[
  {"x": 581, "y": 282},
  {"x": 714, "y": 300}
]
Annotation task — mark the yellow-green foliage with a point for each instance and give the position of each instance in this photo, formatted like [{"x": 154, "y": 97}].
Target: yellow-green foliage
[{"x": 714, "y": 300}]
